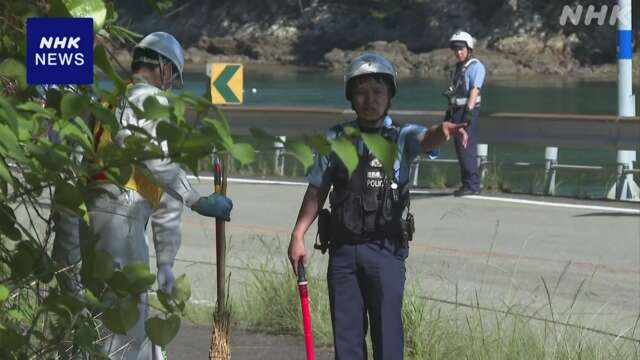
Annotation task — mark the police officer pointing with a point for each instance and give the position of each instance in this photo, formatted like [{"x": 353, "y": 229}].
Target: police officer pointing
[
  {"x": 463, "y": 97},
  {"x": 370, "y": 220}
]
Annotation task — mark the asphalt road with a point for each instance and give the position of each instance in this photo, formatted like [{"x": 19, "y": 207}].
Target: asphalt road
[{"x": 503, "y": 252}]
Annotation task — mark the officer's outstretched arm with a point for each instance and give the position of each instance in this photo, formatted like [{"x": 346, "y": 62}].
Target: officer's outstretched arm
[
  {"x": 312, "y": 202},
  {"x": 440, "y": 133}
]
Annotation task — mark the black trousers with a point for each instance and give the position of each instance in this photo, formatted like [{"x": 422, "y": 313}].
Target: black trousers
[
  {"x": 366, "y": 286},
  {"x": 467, "y": 157}
]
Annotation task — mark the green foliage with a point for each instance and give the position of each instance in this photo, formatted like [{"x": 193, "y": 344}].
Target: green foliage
[
  {"x": 41, "y": 175},
  {"x": 162, "y": 331}
]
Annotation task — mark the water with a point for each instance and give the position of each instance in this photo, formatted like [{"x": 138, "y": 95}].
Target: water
[
  {"x": 292, "y": 86},
  {"x": 289, "y": 86}
]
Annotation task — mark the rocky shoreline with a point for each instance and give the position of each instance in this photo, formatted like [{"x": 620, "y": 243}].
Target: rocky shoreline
[{"x": 326, "y": 34}]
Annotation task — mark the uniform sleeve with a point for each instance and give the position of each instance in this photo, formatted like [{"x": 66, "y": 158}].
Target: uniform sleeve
[
  {"x": 476, "y": 74},
  {"x": 167, "y": 229},
  {"x": 318, "y": 174},
  {"x": 167, "y": 174},
  {"x": 173, "y": 180},
  {"x": 413, "y": 135}
]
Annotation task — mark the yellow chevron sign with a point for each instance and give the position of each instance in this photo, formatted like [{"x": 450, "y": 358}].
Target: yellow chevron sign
[{"x": 226, "y": 83}]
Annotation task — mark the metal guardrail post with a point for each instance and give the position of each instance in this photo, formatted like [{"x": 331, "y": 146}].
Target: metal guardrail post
[
  {"x": 278, "y": 157},
  {"x": 482, "y": 154},
  {"x": 625, "y": 187},
  {"x": 414, "y": 172},
  {"x": 551, "y": 161}
]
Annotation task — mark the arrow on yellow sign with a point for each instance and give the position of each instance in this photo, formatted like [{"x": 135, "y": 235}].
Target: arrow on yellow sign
[{"x": 226, "y": 83}]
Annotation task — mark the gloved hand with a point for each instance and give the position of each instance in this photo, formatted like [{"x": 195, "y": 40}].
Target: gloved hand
[
  {"x": 165, "y": 278},
  {"x": 214, "y": 205},
  {"x": 468, "y": 116}
]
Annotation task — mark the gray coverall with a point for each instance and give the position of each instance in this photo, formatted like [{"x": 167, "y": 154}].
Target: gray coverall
[{"x": 118, "y": 220}]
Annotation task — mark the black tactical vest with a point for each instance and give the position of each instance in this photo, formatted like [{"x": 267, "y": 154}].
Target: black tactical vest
[{"x": 365, "y": 206}]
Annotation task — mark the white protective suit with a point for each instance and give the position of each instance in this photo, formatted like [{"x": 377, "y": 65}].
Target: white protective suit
[{"x": 118, "y": 220}]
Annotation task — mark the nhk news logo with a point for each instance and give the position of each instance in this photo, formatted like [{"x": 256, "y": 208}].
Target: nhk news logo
[{"x": 59, "y": 50}]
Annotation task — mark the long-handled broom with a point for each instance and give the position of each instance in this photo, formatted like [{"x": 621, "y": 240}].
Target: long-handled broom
[{"x": 220, "y": 348}]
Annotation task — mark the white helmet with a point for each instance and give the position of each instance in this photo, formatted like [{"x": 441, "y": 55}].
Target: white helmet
[
  {"x": 370, "y": 63},
  {"x": 462, "y": 37},
  {"x": 166, "y": 45}
]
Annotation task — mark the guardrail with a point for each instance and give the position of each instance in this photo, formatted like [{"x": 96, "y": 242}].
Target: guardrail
[
  {"x": 625, "y": 187},
  {"x": 563, "y": 130}
]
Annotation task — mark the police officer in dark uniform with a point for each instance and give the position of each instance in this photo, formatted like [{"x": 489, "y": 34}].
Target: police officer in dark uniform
[
  {"x": 370, "y": 222},
  {"x": 463, "y": 97}
]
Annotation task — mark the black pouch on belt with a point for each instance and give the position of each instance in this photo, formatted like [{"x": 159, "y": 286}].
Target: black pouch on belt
[
  {"x": 408, "y": 228},
  {"x": 323, "y": 238}
]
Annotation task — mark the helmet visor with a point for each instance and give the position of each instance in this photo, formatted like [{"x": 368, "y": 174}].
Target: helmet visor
[{"x": 457, "y": 45}]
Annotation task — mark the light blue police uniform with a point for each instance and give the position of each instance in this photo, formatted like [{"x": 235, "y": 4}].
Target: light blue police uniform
[{"x": 366, "y": 280}]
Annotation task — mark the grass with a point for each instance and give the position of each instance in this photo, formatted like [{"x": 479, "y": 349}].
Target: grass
[{"x": 433, "y": 330}]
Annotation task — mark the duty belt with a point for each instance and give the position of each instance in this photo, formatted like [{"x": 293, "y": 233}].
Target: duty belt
[{"x": 462, "y": 101}]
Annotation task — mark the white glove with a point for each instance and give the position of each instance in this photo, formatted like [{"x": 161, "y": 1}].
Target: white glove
[{"x": 165, "y": 278}]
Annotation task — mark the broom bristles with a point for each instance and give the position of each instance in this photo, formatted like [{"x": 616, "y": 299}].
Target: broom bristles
[{"x": 220, "y": 340}]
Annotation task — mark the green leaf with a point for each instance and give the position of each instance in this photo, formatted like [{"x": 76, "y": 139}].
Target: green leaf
[
  {"x": 5, "y": 174},
  {"x": 101, "y": 60},
  {"x": 102, "y": 265},
  {"x": 222, "y": 131},
  {"x": 165, "y": 300},
  {"x": 67, "y": 196},
  {"x": 347, "y": 153},
  {"x": 91, "y": 300},
  {"x": 64, "y": 305},
  {"x": 23, "y": 261},
  {"x": 16, "y": 70},
  {"x": 162, "y": 331},
  {"x": 351, "y": 131},
  {"x": 170, "y": 132},
  {"x": 139, "y": 276},
  {"x": 4, "y": 293},
  {"x": 121, "y": 317},
  {"x": 45, "y": 269},
  {"x": 69, "y": 130},
  {"x": 8, "y": 223},
  {"x": 11, "y": 340},
  {"x": 8, "y": 139},
  {"x": 153, "y": 109},
  {"x": 243, "y": 153},
  {"x": 88, "y": 8},
  {"x": 181, "y": 289},
  {"x": 106, "y": 118},
  {"x": 178, "y": 110},
  {"x": 383, "y": 149},
  {"x": 73, "y": 105},
  {"x": 302, "y": 152},
  {"x": 8, "y": 115}
]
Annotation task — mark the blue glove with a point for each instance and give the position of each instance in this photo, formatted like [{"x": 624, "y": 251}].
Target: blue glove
[{"x": 214, "y": 205}]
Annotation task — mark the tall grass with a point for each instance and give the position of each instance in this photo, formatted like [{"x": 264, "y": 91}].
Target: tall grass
[{"x": 433, "y": 330}]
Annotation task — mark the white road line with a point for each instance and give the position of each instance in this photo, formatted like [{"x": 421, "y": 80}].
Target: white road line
[
  {"x": 474, "y": 197},
  {"x": 251, "y": 181},
  {"x": 553, "y": 204}
]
